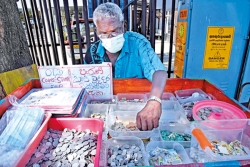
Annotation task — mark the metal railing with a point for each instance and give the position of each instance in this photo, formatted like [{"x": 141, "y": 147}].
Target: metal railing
[{"x": 46, "y": 37}]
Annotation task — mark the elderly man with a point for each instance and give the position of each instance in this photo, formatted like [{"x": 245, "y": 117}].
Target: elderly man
[{"x": 131, "y": 56}]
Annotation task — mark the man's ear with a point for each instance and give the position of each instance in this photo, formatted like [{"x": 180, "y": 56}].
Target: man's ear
[{"x": 125, "y": 25}]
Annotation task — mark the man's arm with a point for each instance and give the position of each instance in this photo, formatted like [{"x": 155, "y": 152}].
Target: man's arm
[{"x": 148, "y": 117}]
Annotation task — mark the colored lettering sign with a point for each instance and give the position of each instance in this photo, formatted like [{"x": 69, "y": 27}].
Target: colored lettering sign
[
  {"x": 95, "y": 78},
  {"x": 218, "y": 47},
  {"x": 180, "y": 48},
  {"x": 183, "y": 14}
]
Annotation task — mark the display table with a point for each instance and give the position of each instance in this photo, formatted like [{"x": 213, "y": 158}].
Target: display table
[
  {"x": 144, "y": 86},
  {"x": 140, "y": 86}
]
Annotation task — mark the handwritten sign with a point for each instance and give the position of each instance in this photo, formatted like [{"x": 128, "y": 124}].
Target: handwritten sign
[
  {"x": 54, "y": 76},
  {"x": 95, "y": 78}
]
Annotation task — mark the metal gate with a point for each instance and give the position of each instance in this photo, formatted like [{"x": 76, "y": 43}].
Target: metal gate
[{"x": 59, "y": 31}]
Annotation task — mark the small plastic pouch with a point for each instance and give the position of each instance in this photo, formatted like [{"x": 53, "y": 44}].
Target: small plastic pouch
[
  {"x": 20, "y": 123},
  {"x": 17, "y": 126}
]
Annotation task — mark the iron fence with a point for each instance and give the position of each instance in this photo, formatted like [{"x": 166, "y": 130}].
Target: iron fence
[{"x": 59, "y": 31}]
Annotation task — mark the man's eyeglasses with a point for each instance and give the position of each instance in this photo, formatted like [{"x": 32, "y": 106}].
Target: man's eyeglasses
[{"x": 115, "y": 33}]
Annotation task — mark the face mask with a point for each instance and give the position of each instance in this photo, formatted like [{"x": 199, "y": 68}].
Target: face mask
[{"x": 113, "y": 45}]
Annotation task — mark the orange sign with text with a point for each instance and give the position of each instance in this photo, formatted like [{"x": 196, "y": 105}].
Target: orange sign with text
[
  {"x": 183, "y": 14},
  {"x": 180, "y": 47}
]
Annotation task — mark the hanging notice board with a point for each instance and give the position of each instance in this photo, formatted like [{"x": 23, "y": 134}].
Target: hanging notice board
[{"x": 95, "y": 78}]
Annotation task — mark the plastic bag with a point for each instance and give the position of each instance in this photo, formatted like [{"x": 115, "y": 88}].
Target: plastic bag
[
  {"x": 19, "y": 124},
  {"x": 161, "y": 156},
  {"x": 8, "y": 155}
]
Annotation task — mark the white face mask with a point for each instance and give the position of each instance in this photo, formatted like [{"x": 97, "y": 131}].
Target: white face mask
[{"x": 114, "y": 44}]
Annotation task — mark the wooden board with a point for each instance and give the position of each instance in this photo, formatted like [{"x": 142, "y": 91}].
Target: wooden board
[{"x": 15, "y": 78}]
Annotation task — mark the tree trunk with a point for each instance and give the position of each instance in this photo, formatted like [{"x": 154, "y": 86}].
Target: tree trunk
[{"x": 14, "y": 51}]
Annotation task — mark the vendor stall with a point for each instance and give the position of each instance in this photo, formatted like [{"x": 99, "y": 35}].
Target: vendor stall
[{"x": 174, "y": 137}]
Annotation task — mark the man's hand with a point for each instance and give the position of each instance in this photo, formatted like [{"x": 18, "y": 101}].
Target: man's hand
[{"x": 148, "y": 117}]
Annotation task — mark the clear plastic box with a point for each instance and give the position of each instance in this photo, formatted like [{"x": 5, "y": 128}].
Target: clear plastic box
[
  {"x": 231, "y": 130},
  {"x": 101, "y": 99},
  {"x": 130, "y": 140},
  {"x": 175, "y": 127},
  {"x": 97, "y": 108},
  {"x": 130, "y": 96},
  {"x": 187, "y": 95},
  {"x": 125, "y": 117},
  {"x": 172, "y": 112},
  {"x": 166, "y": 96},
  {"x": 130, "y": 107},
  {"x": 170, "y": 145}
]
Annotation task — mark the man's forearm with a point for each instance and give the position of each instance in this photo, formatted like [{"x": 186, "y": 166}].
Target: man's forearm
[{"x": 158, "y": 83}]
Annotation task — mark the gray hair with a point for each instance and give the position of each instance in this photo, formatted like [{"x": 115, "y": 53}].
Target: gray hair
[{"x": 108, "y": 10}]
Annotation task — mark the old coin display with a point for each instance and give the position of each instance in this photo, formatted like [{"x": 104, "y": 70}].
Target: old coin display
[
  {"x": 174, "y": 136},
  {"x": 65, "y": 148},
  {"x": 119, "y": 126},
  {"x": 126, "y": 155},
  {"x": 205, "y": 112},
  {"x": 224, "y": 149},
  {"x": 160, "y": 156},
  {"x": 125, "y": 100}
]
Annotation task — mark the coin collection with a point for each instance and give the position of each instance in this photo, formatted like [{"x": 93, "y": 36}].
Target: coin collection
[
  {"x": 204, "y": 113},
  {"x": 160, "y": 156},
  {"x": 103, "y": 102},
  {"x": 224, "y": 149},
  {"x": 188, "y": 110},
  {"x": 126, "y": 155},
  {"x": 188, "y": 106},
  {"x": 119, "y": 126},
  {"x": 72, "y": 148},
  {"x": 173, "y": 136},
  {"x": 98, "y": 115},
  {"x": 125, "y": 100},
  {"x": 67, "y": 148}
]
